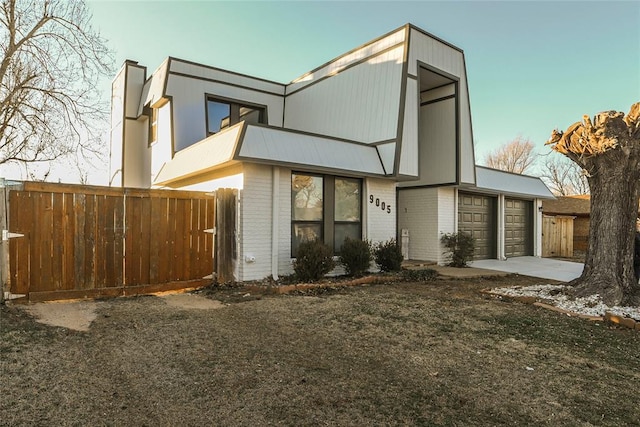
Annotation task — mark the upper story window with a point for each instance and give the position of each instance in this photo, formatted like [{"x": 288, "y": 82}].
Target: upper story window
[
  {"x": 222, "y": 113},
  {"x": 153, "y": 126}
]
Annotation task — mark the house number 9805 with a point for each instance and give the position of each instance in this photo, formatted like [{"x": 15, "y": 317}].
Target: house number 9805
[{"x": 382, "y": 205}]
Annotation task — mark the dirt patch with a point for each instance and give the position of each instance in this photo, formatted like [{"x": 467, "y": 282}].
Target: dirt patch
[
  {"x": 191, "y": 301},
  {"x": 76, "y": 315},
  {"x": 435, "y": 353}
]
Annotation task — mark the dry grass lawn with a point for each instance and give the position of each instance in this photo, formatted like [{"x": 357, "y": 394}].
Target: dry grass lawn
[{"x": 435, "y": 353}]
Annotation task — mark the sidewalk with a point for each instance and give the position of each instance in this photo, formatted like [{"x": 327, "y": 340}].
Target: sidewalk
[{"x": 545, "y": 268}]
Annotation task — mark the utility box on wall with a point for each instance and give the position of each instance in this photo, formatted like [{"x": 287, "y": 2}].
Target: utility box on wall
[{"x": 404, "y": 243}]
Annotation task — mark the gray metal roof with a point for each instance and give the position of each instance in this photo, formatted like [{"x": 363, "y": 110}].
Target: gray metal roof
[{"x": 500, "y": 182}]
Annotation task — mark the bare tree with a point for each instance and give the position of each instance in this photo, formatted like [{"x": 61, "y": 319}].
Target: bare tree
[
  {"x": 516, "y": 156},
  {"x": 608, "y": 149},
  {"x": 564, "y": 177},
  {"x": 50, "y": 104}
]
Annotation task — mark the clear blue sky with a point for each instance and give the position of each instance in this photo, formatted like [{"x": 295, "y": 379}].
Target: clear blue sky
[{"x": 531, "y": 66}]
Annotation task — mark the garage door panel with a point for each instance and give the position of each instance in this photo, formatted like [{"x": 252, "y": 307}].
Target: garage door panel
[
  {"x": 518, "y": 228},
  {"x": 476, "y": 216}
]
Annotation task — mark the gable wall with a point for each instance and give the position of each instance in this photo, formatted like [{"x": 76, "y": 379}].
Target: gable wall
[
  {"x": 356, "y": 97},
  {"x": 440, "y": 56}
]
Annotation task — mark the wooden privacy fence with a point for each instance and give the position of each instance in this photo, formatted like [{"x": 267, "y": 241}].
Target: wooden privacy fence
[
  {"x": 557, "y": 236},
  {"x": 84, "y": 241}
]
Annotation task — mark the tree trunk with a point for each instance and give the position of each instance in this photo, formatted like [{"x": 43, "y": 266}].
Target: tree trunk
[{"x": 608, "y": 271}]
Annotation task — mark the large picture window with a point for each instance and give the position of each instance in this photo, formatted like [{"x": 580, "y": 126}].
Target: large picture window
[
  {"x": 326, "y": 208},
  {"x": 224, "y": 113}
]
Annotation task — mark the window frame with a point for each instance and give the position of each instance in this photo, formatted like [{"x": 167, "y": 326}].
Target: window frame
[
  {"x": 328, "y": 222},
  {"x": 234, "y": 111}
]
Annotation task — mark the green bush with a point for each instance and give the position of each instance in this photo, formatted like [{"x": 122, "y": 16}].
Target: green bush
[
  {"x": 355, "y": 256},
  {"x": 460, "y": 248},
  {"x": 314, "y": 259},
  {"x": 388, "y": 255},
  {"x": 423, "y": 275}
]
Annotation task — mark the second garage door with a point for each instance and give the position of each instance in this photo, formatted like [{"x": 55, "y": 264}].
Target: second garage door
[
  {"x": 476, "y": 215},
  {"x": 518, "y": 227}
]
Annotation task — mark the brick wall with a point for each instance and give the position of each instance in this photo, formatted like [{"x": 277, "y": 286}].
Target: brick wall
[
  {"x": 379, "y": 224},
  {"x": 426, "y": 213},
  {"x": 255, "y": 223}
]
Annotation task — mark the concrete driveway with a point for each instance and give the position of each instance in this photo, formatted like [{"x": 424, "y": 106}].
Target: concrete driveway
[{"x": 545, "y": 268}]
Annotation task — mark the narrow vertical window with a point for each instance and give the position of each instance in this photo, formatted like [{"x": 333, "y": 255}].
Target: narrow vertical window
[
  {"x": 153, "y": 126},
  {"x": 307, "y": 198},
  {"x": 347, "y": 211}
]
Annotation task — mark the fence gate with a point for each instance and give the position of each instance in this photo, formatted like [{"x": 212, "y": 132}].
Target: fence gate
[
  {"x": 557, "y": 236},
  {"x": 82, "y": 241}
]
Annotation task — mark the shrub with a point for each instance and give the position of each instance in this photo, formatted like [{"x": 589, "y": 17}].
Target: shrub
[
  {"x": 388, "y": 255},
  {"x": 460, "y": 248},
  {"x": 355, "y": 256},
  {"x": 314, "y": 259},
  {"x": 423, "y": 275}
]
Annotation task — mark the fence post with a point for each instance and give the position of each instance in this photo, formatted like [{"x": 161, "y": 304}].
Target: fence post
[{"x": 5, "y": 275}]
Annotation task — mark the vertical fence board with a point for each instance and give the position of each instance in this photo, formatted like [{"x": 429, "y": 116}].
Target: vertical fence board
[
  {"x": 46, "y": 237},
  {"x": 171, "y": 235},
  {"x": 35, "y": 265},
  {"x": 68, "y": 226},
  {"x": 110, "y": 244},
  {"x": 132, "y": 241},
  {"x": 185, "y": 235},
  {"x": 194, "y": 237},
  {"x": 19, "y": 203},
  {"x": 100, "y": 244},
  {"x": 91, "y": 261},
  {"x": 157, "y": 240},
  {"x": 58, "y": 240},
  {"x": 164, "y": 255},
  {"x": 118, "y": 238},
  {"x": 211, "y": 223},
  {"x": 79, "y": 209},
  {"x": 145, "y": 240}
]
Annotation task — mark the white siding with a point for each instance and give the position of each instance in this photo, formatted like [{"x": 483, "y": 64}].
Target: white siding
[
  {"x": 189, "y": 106},
  {"x": 137, "y": 163},
  {"x": 275, "y": 145},
  {"x": 387, "y": 153},
  {"x": 348, "y": 59},
  {"x": 435, "y": 53},
  {"x": 203, "y": 72},
  {"x": 467, "y": 156},
  {"x": 360, "y": 103},
  {"x": 201, "y": 157},
  {"x": 135, "y": 82},
  {"x": 409, "y": 154},
  {"x": 116, "y": 131},
  {"x": 450, "y": 60},
  {"x": 154, "y": 86},
  {"x": 379, "y": 224},
  {"x": 161, "y": 150},
  {"x": 438, "y": 143}
]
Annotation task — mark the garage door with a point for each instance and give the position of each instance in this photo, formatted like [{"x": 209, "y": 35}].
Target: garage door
[
  {"x": 476, "y": 215},
  {"x": 518, "y": 227}
]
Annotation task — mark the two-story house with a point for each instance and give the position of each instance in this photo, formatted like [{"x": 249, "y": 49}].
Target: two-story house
[{"x": 375, "y": 144}]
